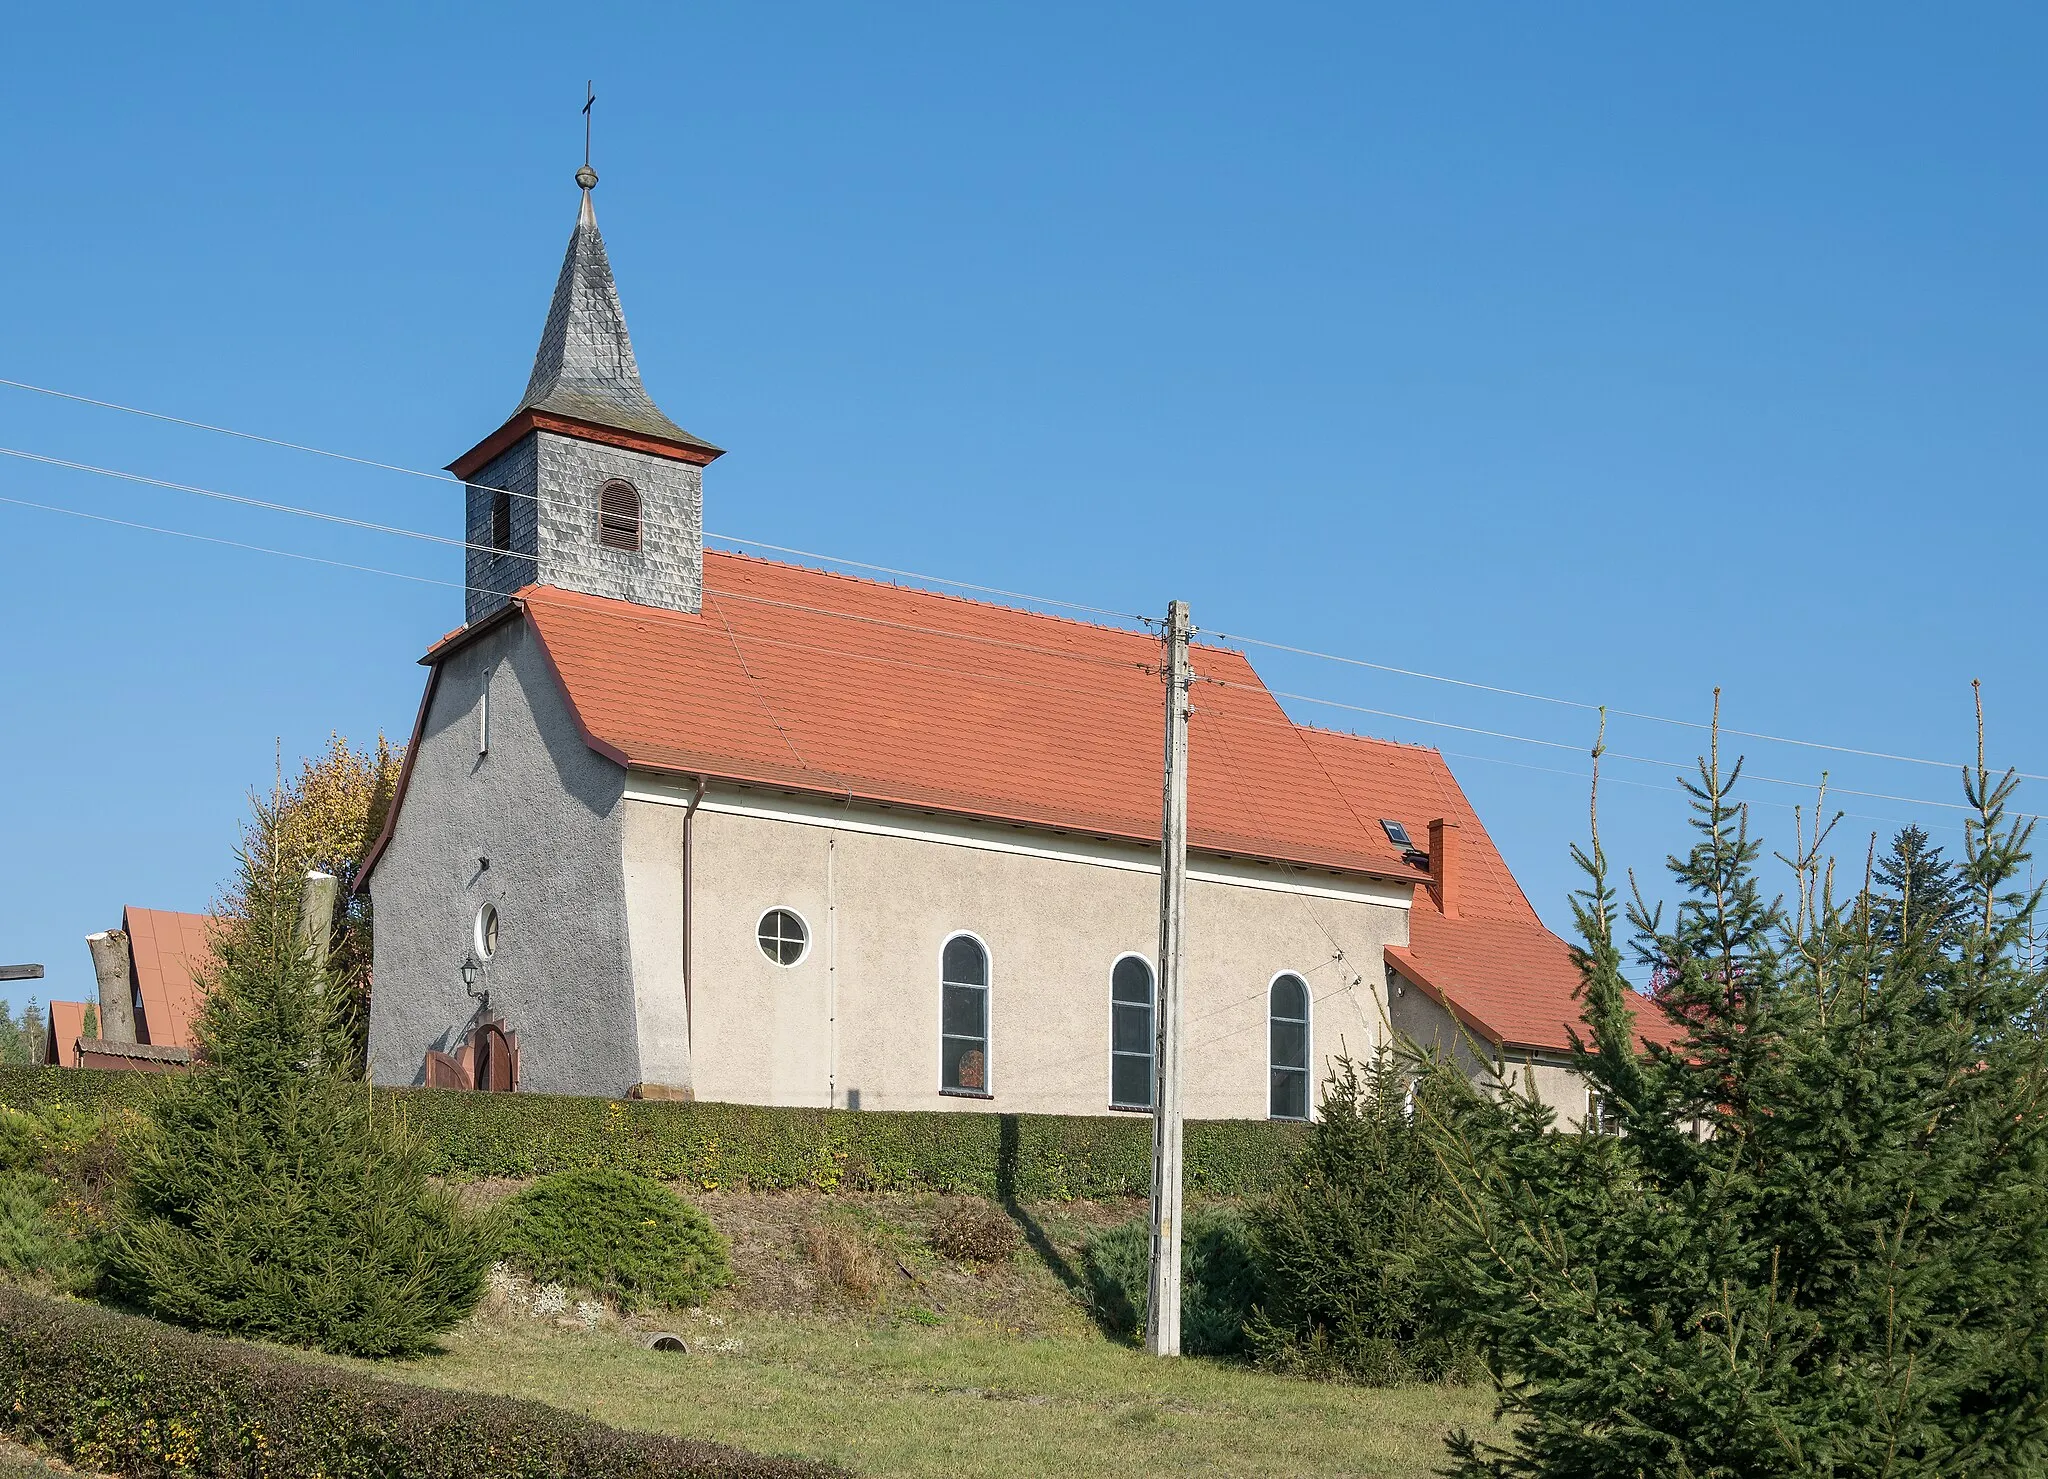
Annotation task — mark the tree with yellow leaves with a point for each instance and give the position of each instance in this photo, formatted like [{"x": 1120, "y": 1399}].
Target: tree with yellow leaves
[{"x": 327, "y": 817}]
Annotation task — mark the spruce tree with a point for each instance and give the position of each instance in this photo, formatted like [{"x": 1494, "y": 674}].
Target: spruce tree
[
  {"x": 1818, "y": 1244},
  {"x": 270, "y": 1202},
  {"x": 1916, "y": 888},
  {"x": 1349, "y": 1248}
]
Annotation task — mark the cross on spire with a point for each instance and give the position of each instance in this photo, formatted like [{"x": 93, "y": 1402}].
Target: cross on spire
[{"x": 589, "y": 97}]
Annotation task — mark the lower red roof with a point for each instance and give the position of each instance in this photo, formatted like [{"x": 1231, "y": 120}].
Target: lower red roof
[{"x": 1495, "y": 966}]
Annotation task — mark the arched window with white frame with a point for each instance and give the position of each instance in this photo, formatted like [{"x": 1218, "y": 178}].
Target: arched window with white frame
[
  {"x": 963, "y": 1016},
  {"x": 1287, "y": 1047},
  {"x": 1130, "y": 1033}
]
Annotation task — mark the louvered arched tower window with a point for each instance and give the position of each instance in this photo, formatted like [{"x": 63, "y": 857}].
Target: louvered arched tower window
[{"x": 618, "y": 515}]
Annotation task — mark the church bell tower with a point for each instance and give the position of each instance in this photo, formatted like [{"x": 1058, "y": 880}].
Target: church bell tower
[{"x": 588, "y": 487}]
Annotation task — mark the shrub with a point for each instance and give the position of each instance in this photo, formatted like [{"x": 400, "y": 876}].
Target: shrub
[
  {"x": 1218, "y": 1280},
  {"x": 975, "y": 1232},
  {"x": 38, "y": 1244},
  {"x": 114, "y": 1393},
  {"x": 844, "y": 1257},
  {"x": 1031, "y": 1157},
  {"x": 270, "y": 1201},
  {"x": 1349, "y": 1248},
  {"x": 617, "y": 1234}
]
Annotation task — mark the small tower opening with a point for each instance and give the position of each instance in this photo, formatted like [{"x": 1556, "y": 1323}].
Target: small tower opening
[
  {"x": 618, "y": 515},
  {"x": 501, "y": 520}
]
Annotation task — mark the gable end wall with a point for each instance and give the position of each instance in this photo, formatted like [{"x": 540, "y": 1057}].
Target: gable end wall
[{"x": 546, "y": 810}]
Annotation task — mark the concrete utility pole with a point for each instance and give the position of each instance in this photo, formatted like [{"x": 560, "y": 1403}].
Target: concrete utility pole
[
  {"x": 110, "y": 962},
  {"x": 316, "y": 918},
  {"x": 1162, "y": 1313}
]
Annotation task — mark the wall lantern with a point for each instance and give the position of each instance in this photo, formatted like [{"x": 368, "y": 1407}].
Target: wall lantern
[{"x": 473, "y": 972}]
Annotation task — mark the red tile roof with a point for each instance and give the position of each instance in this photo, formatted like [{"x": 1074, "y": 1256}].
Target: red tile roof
[
  {"x": 1494, "y": 966},
  {"x": 847, "y": 687},
  {"x": 168, "y": 948},
  {"x": 855, "y": 688}
]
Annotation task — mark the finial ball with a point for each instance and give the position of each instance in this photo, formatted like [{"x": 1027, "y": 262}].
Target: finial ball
[{"x": 586, "y": 177}]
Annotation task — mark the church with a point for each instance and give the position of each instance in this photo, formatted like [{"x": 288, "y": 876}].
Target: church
[{"x": 682, "y": 824}]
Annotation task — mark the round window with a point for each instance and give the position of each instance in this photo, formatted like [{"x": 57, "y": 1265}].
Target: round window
[
  {"x": 784, "y": 936},
  {"x": 487, "y": 932}
]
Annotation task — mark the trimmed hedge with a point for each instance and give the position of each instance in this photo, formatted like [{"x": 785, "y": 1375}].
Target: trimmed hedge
[
  {"x": 129, "y": 1396},
  {"x": 1033, "y": 1157}
]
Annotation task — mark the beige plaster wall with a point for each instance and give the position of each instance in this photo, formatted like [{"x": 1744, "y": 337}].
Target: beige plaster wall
[
  {"x": 861, "y": 1010},
  {"x": 652, "y": 846},
  {"x": 1417, "y": 1016}
]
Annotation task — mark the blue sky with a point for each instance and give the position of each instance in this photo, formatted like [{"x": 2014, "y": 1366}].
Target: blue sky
[{"x": 1609, "y": 353}]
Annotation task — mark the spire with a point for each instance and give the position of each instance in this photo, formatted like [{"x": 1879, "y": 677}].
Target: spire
[{"x": 585, "y": 367}]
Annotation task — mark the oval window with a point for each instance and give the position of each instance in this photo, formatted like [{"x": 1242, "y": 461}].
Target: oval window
[
  {"x": 783, "y": 936},
  {"x": 486, "y": 932}
]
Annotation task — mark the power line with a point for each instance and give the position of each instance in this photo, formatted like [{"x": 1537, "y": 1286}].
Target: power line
[
  {"x": 935, "y": 632},
  {"x": 298, "y": 511},
  {"x": 899, "y": 662},
  {"x": 444, "y": 478},
  {"x": 245, "y": 501},
  {"x": 1573, "y": 703},
  {"x": 1547, "y": 744},
  {"x": 543, "y": 500},
  {"x": 260, "y": 549}
]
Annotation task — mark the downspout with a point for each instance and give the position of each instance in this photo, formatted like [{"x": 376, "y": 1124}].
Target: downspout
[{"x": 689, "y": 932}]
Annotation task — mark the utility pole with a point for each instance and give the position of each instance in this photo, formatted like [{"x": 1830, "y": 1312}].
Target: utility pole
[{"x": 1162, "y": 1314}]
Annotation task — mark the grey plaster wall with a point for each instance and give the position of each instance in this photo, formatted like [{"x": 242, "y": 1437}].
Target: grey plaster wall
[
  {"x": 668, "y": 568},
  {"x": 1418, "y": 1018},
  {"x": 861, "y": 1009},
  {"x": 546, "y": 810},
  {"x": 491, "y": 576}
]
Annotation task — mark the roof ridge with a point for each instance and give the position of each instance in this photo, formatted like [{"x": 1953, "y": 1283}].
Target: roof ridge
[
  {"x": 1369, "y": 739},
  {"x": 937, "y": 595}
]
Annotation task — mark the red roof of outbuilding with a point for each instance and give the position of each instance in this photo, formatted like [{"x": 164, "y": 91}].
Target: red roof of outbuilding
[
  {"x": 67, "y": 1025},
  {"x": 168, "y": 949}
]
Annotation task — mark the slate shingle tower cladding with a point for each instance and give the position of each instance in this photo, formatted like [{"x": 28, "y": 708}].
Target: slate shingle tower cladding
[{"x": 535, "y": 485}]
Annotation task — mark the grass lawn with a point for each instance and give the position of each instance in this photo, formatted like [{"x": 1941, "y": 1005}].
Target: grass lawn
[
  {"x": 17, "y": 1462},
  {"x": 913, "y": 1364},
  {"x": 895, "y": 1397}
]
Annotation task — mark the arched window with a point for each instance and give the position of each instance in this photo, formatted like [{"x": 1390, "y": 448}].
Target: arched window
[
  {"x": 963, "y": 1017},
  {"x": 1130, "y": 1033},
  {"x": 618, "y": 515},
  {"x": 1287, "y": 1053},
  {"x": 501, "y": 520}
]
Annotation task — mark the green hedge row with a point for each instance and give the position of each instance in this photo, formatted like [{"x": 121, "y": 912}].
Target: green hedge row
[
  {"x": 1032, "y": 1157},
  {"x": 129, "y": 1396}
]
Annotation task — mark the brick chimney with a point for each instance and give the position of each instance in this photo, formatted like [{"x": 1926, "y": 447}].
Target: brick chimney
[{"x": 1446, "y": 866}]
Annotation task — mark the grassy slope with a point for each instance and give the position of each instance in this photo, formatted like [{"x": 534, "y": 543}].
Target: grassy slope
[
  {"x": 904, "y": 1399},
  {"x": 1013, "y": 1378}
]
